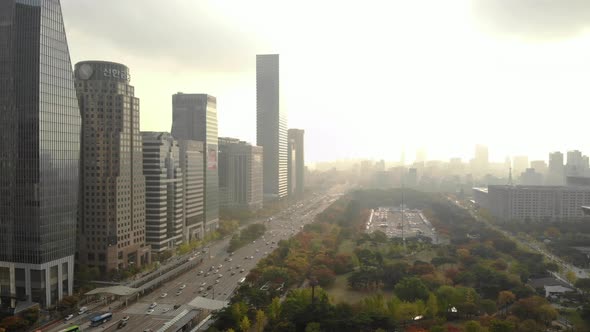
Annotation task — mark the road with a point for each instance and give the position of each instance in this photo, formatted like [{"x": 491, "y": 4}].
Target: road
[{"x": 282, "y": 226}]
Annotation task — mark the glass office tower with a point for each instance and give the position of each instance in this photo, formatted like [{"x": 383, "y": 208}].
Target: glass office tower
[
  {"x": 194, "y": 117},
  {"x": 39, "y": 154},
  {"x": 271, "y": 126}
]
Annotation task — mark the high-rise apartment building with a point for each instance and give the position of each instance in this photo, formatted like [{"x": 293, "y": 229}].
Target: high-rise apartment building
[
  {"x": 297, "y": 162},
  {"x": 164, "y": 192},
  {"x": 39, "y": 154},
  {"x": 194, "y": 117},
  {"x": 240, "y": 174},
  {"x": 577, "y": 164},
  {"x": 271, "y": 126},
  {"x": 193, "y": 182},
  {"x": 519, "y": 164},
  {"x": 556, "y": 169},
  {"x": 480, "y": 163},
  {"x": 111, "y": 227}
]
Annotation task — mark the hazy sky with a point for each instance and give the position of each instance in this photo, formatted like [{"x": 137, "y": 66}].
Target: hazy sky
[{"x": 363, "y": 78}]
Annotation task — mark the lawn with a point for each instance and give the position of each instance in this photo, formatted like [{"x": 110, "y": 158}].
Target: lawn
[{"x": 339, "y": 292}]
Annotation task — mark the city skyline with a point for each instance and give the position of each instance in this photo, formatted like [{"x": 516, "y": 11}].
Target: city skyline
[{"x": 475, "y": 63}]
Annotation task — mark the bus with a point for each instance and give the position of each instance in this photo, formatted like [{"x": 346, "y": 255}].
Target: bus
[
  {"x": 101, "y": 319},
  {"x": 73, "y": 328}
]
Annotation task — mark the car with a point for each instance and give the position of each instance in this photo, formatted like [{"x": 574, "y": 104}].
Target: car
[
  {"x": 164, "y": 295},
  {"x": 200, "y": 273},
  {"x": 209, "y": 287},
  {"x": 231, "y": 253},
  {"x": 82, "y": 310},
  {"x": 203, "y": 283},
  {"x": 153, "y": 305},
  {"x": 246, "y": 257},
  {"x": 219, "y": 276},
  {"x": 183, "y": 286},
  {"x": 178, "y": 293},
  {"x": 205, "y": 294},
  {"x": 121, "y": 324},
  {"x": 176, "y": 306},
  {"x": 207, "y": 274},
  {"x": 229, "y": 259},
  {"x": 230, "y": 268},
  {"x": 68, "y": 317},
  {"x": 242, "y": 271},
  {"x": 165, "y": 310},
  {"x": 149, "y": 312},
  {"x": 216, "y": 281},
  {"x": 238, "y": 267},
  {"x": 126, "y": 318},
  {"x": 220, "y": 266},
  {"x": 257, "y": 250},
  {"x": 233, "y": 273},
  {"x": 251, "y": 257},
  {"x": 201, "y": 289}
]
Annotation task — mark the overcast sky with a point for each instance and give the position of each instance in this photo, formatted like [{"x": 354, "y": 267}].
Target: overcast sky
[{"x": 363, "y": 78}]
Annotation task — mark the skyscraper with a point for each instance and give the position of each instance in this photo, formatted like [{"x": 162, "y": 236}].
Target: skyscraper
[
  {"x": 297, "y": 162},
  {"x": 194, "y": 117},
  {"x": 271, "y": 126},
  {"x": 481, "y": 160},
  {"x": 39, "y": 154},
  {"x": 111, "y": 229},
  {"x": 240, "y": 174},
  {"x": 164, "y": 190}
]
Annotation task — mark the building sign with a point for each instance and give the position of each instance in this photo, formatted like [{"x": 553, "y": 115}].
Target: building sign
[
  {"x": 116, "y": 73},
  {"x": 212, "y": 158}
]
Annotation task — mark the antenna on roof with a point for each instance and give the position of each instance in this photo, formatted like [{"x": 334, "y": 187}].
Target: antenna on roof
[{"x": 510, "y": 182}]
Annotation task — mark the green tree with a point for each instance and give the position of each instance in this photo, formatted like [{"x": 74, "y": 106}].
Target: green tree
[
  {"x": 274, "y": 309},
  {"x": 245, "y": 324},
  {"x": 411, "y": 289},
  {"x": 432, "y": 305},
  {"x": 472, "y": 326},
  {"x": 313, "y": 327},
  {"x": 260, "y": 318},
  {"x": 497, "y": 325}
]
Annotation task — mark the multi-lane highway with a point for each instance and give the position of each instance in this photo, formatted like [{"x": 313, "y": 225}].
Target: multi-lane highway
[{"x": 216, "y": 278}]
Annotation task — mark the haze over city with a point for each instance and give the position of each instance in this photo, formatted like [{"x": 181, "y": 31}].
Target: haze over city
[
  {"x": 308, "y": 166},
  {"x": 366, "y": 79}
]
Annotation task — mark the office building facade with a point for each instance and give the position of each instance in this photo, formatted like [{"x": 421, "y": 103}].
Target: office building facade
[
  {"x": 296, "y": 165},
  {"x": 240, "y": 174},
  {"x": 271, "y": 126},
  {"x": 164, "y": 192},
  {"x": 194, "y": 117},
  {"x": 193, "y": 183},
  {"x": 111, "y": 227},
  {"x": 39, "y": 155}
]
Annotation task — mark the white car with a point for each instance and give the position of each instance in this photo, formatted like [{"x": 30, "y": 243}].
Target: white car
[
  {"x": 183, "y": 286},
  {"x": 153, "y": 305},
  {"x": 165, "y": 310},
  {"x": 68, "y": 317},
  {"x": 164, "y": 295},
  {"x": 203, "y": 283},
  {"x": 178, "y": 293},
  {"x": 82, "y": 310},
  {"x": 126, "y": 318},
  {"x": 149, "y": 312}
]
